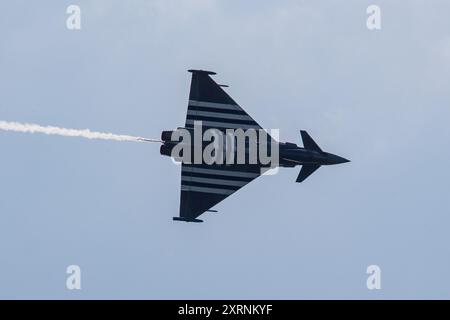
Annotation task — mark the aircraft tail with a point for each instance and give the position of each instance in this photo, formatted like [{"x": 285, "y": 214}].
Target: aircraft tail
[{"x": 308, "y": 169}]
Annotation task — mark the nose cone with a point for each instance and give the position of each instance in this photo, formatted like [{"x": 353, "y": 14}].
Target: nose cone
[{"x": 334, "y": 159}]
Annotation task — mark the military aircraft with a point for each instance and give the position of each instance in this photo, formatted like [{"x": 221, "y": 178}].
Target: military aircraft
[{"x": 205, "y": 185}]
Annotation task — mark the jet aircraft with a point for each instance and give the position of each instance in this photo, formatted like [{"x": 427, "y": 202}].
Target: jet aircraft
[{"x": 205, "y": 185}]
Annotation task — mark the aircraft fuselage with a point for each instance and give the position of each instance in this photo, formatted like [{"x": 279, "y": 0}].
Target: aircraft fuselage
[{"x": 292, "y": 155}]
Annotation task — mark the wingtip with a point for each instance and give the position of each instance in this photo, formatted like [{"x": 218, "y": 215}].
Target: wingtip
[
  {"x": 186, "y": 219},
  {"x": 201, "y": 71}
]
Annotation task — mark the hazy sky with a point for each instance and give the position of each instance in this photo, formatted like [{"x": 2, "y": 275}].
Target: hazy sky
[{"x": 380, "y": 98}]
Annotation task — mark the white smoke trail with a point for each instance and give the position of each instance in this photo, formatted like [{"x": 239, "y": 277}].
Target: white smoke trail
[{"x": 86, "y": 133}]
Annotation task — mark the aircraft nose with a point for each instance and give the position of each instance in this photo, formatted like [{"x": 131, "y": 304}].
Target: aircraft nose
[
  {"x": 334, "y": 159},
  {"x": 343, "y": 160}
]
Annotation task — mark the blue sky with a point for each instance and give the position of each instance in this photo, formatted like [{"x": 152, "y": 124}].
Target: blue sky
[{"x": 379, "y": 98}]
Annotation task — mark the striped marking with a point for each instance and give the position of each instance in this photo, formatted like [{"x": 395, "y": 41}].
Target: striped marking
[
  {"x": 214, "y": 105},
  {"x": 217, "y": 110},
  {"x": 221, "y": 172},
  {"x": 215, "y": 124},
  {"x": 222, "y": 182},
  {"x": 206, "y": 190},
  {"x": 228, "y": 121},
  {"x": 219, "y": 115},
  {"x": 215, "y": 176},
  {"x": 208, "y": 185}
]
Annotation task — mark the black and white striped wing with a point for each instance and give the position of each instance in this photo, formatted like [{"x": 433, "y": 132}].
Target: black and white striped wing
[
  {"x": 209, "y": 103},
  {"x": 204, "y": 186}
]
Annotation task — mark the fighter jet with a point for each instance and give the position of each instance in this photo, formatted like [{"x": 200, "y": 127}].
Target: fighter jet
[{"x": 205, "y": 185}]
